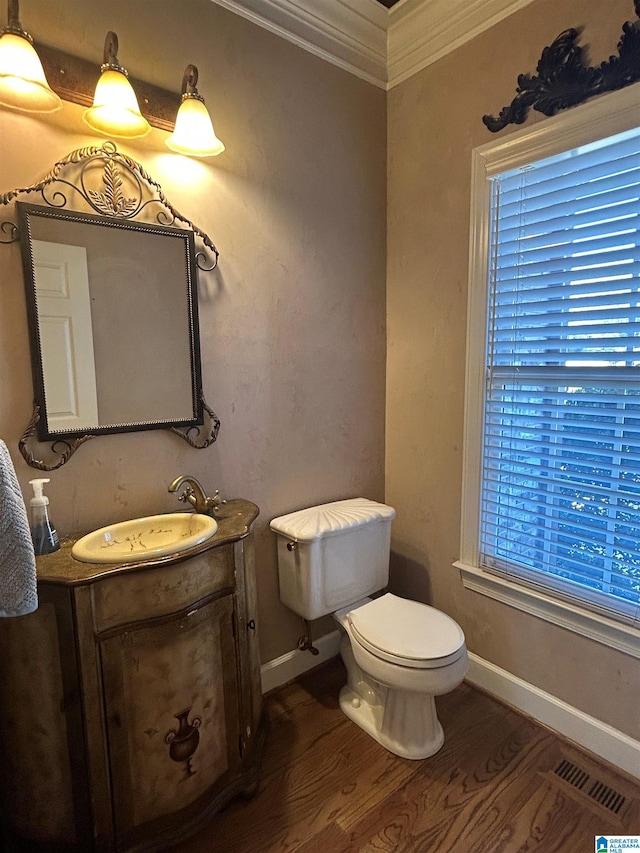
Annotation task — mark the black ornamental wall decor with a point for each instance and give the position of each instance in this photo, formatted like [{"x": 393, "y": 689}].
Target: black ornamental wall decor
[{"x": 563, "y": 80}]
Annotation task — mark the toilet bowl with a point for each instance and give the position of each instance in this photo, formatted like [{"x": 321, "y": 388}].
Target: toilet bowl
[{"x": 399, "y": 654}]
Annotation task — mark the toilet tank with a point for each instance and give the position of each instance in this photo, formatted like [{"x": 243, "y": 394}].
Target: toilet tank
[{"x": 332, "y": 555}]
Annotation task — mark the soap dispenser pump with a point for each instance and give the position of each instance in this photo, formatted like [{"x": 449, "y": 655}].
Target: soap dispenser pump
[{"x": 43, "y": 533}]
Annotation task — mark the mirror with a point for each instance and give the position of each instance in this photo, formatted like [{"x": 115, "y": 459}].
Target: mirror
[
  {"x": 111, "y": 283},
  {"x": 113, "y": 319}
]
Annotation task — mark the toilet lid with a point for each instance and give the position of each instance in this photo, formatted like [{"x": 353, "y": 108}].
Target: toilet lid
[{"x": 407, "y": 632}]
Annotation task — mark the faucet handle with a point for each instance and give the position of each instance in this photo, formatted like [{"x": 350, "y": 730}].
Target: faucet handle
[
  {"x": 216, "y": 500},
  {"x": 214, "y": 503},
  {"x": 185, "y": 494}
]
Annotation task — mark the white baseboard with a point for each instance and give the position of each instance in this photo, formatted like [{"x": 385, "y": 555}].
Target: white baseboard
[
  {"x": 279, "y": 671},
  {"x": 597, "y": 737},
  {"x": 603, "y": 740}
]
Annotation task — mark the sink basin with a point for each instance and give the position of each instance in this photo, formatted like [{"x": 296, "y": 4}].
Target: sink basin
[{"x": 143, "y": 539}]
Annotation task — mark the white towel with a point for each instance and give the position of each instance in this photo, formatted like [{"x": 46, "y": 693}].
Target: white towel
[{"x": 18, "y": 584}]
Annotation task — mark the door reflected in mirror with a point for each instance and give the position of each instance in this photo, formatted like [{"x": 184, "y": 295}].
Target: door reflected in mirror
[{"x": 113, "y": 322}]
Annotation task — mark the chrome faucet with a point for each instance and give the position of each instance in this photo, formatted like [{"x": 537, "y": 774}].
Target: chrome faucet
[{"x": 194, "y": 494}]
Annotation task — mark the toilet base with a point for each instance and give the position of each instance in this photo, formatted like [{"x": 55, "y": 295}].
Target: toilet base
[
  {"x": 391, "y": 724},
  {"x": 396, "y": 706}
]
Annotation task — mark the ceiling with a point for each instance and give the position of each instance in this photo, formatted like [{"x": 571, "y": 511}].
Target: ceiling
[{"x": 381, "y": 41}]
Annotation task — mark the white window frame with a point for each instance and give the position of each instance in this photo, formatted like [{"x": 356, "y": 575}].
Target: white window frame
[{"x": 599, "y": 118}]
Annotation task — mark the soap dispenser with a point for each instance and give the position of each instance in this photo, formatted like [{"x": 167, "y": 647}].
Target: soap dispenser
[{"x": 43, "y": 533}]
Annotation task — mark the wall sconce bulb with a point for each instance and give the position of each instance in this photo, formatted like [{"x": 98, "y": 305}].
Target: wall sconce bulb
[
  {"x": 115, "y": 110},
  {"x": 193, "y": 134},
  {"x": 23, "y": 85}
]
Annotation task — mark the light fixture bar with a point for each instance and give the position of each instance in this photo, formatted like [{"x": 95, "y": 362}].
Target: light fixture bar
[{"x": 74, "y": 79}]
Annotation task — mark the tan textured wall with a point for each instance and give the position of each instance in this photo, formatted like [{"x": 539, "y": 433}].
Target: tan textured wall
[
  {"x": 292, "y": 323},
  {"x": 434, "y": 121}
]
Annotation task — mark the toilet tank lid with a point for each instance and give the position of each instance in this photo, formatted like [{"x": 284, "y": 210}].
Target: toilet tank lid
[{"x": 329, "y": 519}]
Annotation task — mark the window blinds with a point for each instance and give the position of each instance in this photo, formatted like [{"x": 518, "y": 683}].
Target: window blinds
[{"x": 561, "y": 442}]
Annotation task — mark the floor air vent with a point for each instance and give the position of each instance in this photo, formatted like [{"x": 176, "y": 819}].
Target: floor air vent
[
  {"x": 606, "y": 796},
  {"x": 572, "y": 774},
  {"x": 597, "y": 791}
]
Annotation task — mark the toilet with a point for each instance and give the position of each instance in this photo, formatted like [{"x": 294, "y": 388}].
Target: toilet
[{"x": 399, "y": 654}]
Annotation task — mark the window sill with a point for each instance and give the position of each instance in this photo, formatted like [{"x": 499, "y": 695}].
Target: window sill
[{"x": 616, "y": 635}]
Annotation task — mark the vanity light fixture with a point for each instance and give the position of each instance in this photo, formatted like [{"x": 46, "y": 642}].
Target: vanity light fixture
[
  {"x": 23, "y": 84},
  {"x": 113, "y": 107},
  {"x": 194, "y": 134},
  {"x": 115, "y": 110}
]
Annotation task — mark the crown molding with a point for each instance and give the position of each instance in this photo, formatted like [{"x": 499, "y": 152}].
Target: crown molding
[
  {"x": 351, "y": 34},
  {"x": 382, "y": 46},
  {"x": 422, "y": 31}
]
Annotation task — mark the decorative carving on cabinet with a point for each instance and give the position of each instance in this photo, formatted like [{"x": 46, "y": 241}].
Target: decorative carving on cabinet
[
  {"x": 184, "y": 740},
  {"x": 100, "y": 186},
  {"x": 563, "y": 79}
]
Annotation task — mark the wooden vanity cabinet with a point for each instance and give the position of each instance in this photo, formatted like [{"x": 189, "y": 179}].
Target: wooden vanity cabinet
[{"x": 131, "y": 703}]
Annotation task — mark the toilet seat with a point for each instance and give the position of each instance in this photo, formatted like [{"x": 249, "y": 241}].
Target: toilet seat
[{"x": 407, "y": 633}]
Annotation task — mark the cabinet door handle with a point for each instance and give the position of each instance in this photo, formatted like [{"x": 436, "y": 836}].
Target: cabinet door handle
[{"x": 252, "y": 624}]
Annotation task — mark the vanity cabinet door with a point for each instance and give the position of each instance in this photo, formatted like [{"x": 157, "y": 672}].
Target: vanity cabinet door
[{"x": 172, "y": 720}]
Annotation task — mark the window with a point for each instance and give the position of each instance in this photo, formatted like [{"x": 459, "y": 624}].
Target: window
[{"x": 552, "y": 439}]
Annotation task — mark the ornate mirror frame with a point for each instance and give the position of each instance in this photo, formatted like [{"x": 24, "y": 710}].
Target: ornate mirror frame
[{"x": 98, "y": 187}]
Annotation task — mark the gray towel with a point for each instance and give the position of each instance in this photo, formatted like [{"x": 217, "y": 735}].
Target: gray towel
[{"x": 18, "y": 586}]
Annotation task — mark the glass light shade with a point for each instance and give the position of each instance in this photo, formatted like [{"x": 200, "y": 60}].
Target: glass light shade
[
  {"x": 23, "y": 85},
  {"x": 194, "y": 134},
  {"x": 115, "y": 110}
]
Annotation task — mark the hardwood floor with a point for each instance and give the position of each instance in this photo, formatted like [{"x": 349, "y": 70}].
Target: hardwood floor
[{"x": 500, "y": 784}]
